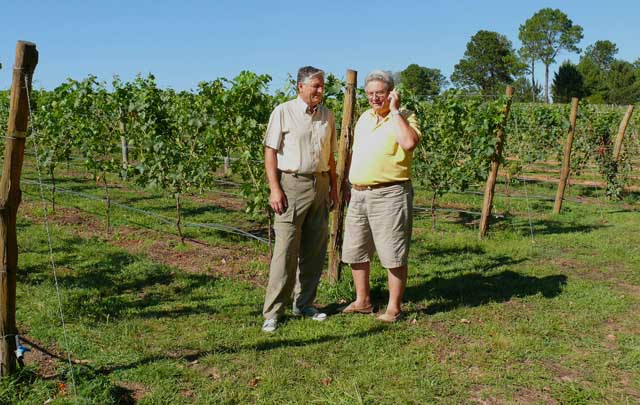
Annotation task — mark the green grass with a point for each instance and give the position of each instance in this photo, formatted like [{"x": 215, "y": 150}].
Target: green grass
[{"x": 514, "y": 318}]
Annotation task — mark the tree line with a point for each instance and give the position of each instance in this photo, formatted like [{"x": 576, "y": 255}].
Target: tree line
[{"x": 490, "y": 62}]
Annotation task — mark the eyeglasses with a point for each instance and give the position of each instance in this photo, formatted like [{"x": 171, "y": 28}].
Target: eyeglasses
[{"x": 378, "y": 94}]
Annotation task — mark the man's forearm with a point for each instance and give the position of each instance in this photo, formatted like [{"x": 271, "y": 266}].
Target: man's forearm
[
  {"x": 407, "y": 137},
  {"x": 271, "y": 168}
]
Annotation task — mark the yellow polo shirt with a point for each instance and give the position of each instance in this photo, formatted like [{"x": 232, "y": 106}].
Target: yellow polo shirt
[{"x": 377, "y": 157}]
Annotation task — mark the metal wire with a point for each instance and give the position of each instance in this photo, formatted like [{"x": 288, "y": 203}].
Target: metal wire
[
  {"x": 162, "y": 218},
  {"x": 47, "y": 227}
]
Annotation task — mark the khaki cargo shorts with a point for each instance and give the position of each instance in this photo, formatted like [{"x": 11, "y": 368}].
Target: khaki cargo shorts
[{"x": 379, "y": 220}]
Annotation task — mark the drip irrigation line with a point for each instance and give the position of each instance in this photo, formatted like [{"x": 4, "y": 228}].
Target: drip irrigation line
[
  {"x": 162, "y": 218},
  {"x": 427, "y": 209},
  {"x": 532, "y": 197}
]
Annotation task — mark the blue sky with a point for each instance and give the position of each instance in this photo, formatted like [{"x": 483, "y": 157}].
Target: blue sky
[{"x": 186, "y": 42}]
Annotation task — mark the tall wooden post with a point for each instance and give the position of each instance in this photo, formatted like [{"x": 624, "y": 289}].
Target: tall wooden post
[
  {"x": 344, "y": 154},
  {"x": 493, "y": 172},
  {"x": 617, "y": 148},
  {"x": 566, "y": 160},
  {"x": 10, "y": 197}
]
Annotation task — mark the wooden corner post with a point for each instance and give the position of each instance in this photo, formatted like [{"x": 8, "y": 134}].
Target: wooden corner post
[
  {"x": 566, "y": 160},
  {"x": 621, "y": 130},
  {"x": 10, "y": 197},
  {"x": 344, "y": 155},
  {"x": 489, "y": 188}
]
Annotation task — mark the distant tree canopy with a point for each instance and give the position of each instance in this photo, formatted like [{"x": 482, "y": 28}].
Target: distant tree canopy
[
  {"x": 607, "y": 79},
  {"x": 567, "y": 83},
  {"x": 524, "y": 92},
  {"x": 422, "y": 80},
  {"x": 544, "y": 35},
  {"x": 623, "y": 83},
  {"x": 489, "y": 63},
  {"x": 602, "y": 53}
]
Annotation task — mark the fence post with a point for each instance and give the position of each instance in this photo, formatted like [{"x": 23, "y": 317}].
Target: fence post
[
  {"x": 621, "y": 130},
  {"x": 344, "y": 154},
  {"x": 493, "y": 172},
  {"x": 10, "y": 197},
  {"x": 566, "y": 160}
]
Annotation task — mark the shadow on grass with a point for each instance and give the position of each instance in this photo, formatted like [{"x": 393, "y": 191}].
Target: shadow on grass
[
  {"x": 524, "y": 226},
  {"x": 474, "y": 289},
  {"x": 271, "y": 343},
  {"x": 100, "y": 282}
]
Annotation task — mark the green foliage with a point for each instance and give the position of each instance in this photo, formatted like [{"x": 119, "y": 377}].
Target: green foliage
[
  {"x": 609, "y": 80},
  {"x": 602, "y": 53},
  {"x": 524, "y": 92},
  {"x": 623, "y": 83},
  {"x": 596, "y": 132},
  {"x": 458, "y": 140},
  {"x": 567, "y": 83},
  {"x": 594, "y": 80},
  {"x": 535, "y": 133},
  {"x": 489, "y": 63},
  {"x": 423, "y": 81},
  {"x": 248, "y": 108}
]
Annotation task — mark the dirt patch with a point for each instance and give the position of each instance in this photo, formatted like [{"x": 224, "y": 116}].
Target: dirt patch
[
  {"x": 530, "y": 396},
  {"x": 194, "y": 256},
  {"x": 226, "y": 201},
  {"x": 570, "y": 182},
  {"x": 478, "y": 396},
  {"x": 135, "y": 391},
  {"x": 561, "y": 373},
  {"x": 46, "y": 365}
]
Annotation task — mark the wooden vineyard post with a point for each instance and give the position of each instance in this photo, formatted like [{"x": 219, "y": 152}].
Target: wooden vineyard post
[
  {"x": 10, "y": 197},
  {"x": 617, "y": 148},
  {"x": 344, "y": 154},
  {"x": 493, "y": 172},
  {"x": 566, "y": 160}
]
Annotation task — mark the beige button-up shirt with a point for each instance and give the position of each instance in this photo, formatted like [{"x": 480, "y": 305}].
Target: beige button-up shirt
[{"x": 304, "y": 140}]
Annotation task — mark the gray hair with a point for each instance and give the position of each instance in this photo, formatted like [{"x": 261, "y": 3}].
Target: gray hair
[
  {"x": 307, "y": 73},
  {"x": 382, "y": 76}
]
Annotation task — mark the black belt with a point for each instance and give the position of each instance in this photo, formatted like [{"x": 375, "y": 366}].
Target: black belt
[
  {"x": 307, "y": 175},
  {"x": 360, "y": 187}
]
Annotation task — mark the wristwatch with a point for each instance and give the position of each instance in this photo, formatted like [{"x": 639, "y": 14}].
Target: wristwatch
[{"x": 396, "y": 112}]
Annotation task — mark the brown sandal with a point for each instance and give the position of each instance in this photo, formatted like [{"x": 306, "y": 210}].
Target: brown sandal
[
  {"x": 389, "y": 318},
  {"x": 352, "y": 309}
]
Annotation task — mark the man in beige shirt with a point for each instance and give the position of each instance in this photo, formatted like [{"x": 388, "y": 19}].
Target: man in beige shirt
[{"x": 299, "y": 146}]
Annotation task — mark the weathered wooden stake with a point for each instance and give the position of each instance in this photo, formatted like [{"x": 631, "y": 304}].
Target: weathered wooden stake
[
  {"x": 123, "y": 141},
  {"x": 566, "y": 160},
  {"x": 493, "y": 172},
  {"x": 10, "y": 197},
  {"x": 344, "y": 154},
  {"x": 621, "y": 130}
]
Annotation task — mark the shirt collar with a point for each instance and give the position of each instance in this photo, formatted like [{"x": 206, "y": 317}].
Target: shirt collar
[
  {"x": 374, "y": 117},
  {"x": 304, "y": 107}
]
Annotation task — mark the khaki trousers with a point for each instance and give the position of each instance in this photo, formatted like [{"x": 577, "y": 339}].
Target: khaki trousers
[{"x": 301, "y": 243}]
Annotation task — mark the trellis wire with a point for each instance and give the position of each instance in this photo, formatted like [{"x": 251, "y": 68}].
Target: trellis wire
[{"x": 47, "y": 227}]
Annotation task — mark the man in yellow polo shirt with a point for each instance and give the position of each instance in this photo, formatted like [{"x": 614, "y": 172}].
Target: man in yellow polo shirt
[{"x": 380, "y": 214}]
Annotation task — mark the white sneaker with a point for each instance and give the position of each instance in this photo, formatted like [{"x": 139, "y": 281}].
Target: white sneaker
[
  {"x": 270, "y": 325},
  {"x": 311, "y": 312}
]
